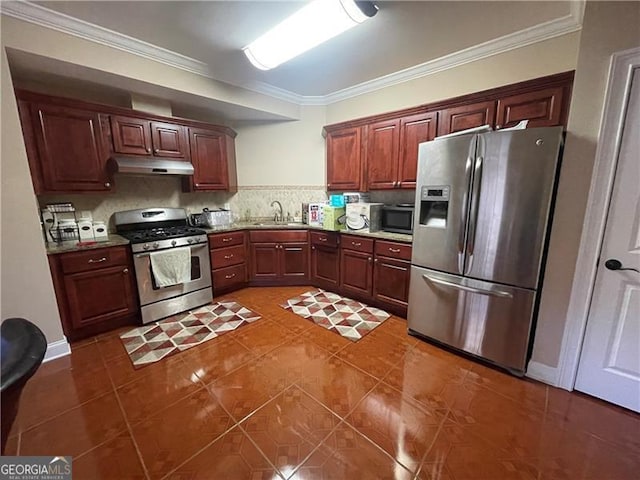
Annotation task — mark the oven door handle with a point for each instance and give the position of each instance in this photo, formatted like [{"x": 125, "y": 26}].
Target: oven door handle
[{"x": 197, "y": 246}]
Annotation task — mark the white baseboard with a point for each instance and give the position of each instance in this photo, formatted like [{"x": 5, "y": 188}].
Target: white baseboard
[
  {"x": 543, "y": 373},
  {"x": 57, "y": 349}
]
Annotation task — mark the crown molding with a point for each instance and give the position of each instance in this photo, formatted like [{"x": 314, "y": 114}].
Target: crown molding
[
  {"x": 42, "y": 16},
  {"x": 537, "y": 33},
  {"x": 32, "y": 13}
]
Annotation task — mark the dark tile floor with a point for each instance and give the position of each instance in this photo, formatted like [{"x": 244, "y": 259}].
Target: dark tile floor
[{"x": 284, "y": 398}]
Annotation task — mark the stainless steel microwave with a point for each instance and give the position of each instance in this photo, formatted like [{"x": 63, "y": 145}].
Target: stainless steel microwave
[{"x": 398, "y": 218}]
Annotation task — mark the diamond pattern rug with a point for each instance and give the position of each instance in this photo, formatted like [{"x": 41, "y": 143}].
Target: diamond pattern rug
[
  {"x": 158, "y": 340},
  {"x": 347, "y": 317}
]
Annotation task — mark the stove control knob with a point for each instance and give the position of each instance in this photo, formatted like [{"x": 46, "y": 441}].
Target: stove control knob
[
  {"x": 146, "y": 246},
  {"x": 173, "y": 243},
  {"x": 156, "y": 244},
  {"x": 189, "y": 240}
]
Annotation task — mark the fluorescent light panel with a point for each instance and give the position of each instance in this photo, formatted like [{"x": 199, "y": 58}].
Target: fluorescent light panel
[{"x": 313, "y": 24}]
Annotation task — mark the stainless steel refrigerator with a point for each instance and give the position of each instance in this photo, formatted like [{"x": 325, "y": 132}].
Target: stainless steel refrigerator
[{"x": 483, "y": 204}]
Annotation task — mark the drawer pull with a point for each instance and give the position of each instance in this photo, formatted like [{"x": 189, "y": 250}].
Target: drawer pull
[
  {"x": 100, "y": 260},
  {"x": 394, "y": 250},
  {"x": 356, "y": 244},
  {"x": 228, "y": 257},
  {"x": 126, "y": 270},
  {"x": 227, "y": 239},
  {"x": 322, "y": 239},
  {"x": 229, "y": 277}
]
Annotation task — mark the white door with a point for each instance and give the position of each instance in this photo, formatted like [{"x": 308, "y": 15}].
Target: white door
[{"x": 610, "y": 362}]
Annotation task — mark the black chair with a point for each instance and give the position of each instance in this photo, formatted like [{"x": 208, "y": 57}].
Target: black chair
[{"x": 22, "y": 349}]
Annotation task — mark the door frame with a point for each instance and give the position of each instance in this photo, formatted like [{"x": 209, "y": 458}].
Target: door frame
[{"x": 615, "y": 108}]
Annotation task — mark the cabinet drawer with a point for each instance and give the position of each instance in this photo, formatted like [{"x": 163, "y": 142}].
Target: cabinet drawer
[
  {"x": 225, "y": 257},
  {"x": 393, "y": 250},
  {"x": 326, "y": 239},
  {"x": 268, "y": 236},
  {"x": 94, "y": 259},
  {"x": 357, "y": 243},
  {"x": 226, "y": 277},
  {"x": 230, "y": 239}
]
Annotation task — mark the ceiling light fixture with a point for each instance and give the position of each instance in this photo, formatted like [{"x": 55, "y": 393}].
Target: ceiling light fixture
[{"x": 313, "y": 24}]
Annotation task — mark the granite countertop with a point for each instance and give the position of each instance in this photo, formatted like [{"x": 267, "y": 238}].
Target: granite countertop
[
  {"x": 258, "y": 225},
  {"x": 115, "y": 240},
  {"x": 72, "y": 246}
]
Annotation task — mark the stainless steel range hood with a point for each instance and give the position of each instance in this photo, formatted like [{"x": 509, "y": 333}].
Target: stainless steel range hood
[{"x": 150, "y": 166}]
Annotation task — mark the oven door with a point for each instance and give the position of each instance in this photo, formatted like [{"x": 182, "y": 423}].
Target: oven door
[{"x": 150, "y": 292}]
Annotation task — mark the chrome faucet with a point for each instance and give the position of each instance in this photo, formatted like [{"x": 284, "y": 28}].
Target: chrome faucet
[{"x": 279, "y": 216}]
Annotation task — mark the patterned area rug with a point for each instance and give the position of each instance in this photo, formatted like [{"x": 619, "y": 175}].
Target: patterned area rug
[
  {"x": 351, "y": 319},
  {"x": 155, "y": 341}
]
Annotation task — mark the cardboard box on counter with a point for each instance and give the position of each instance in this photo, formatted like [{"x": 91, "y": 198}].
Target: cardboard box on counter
[{"x": 334, "y": 218}]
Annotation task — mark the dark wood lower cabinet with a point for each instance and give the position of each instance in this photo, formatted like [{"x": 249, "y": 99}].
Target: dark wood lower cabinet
[
  {"x": 325, "y": 267},
  {"x": 391, "y": 283},
  {"x": 356, "y": 273},
  {"x": 279, "y": 257},
  {"x": 94, "y": 295},
  {"x": 228, "y": 253}
]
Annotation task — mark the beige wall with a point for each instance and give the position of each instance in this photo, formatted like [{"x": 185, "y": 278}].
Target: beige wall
[
  {"x": 543, "y": 58},
  {"x": 284, "y": 153},
  {"x": 86, "y": 57},
  {"x": 26, "y": 288},
  {"x": 608, "y": 27}
]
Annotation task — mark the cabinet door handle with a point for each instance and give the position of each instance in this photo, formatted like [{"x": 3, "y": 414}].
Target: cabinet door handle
[
  {"x": 313, "y": 247},
  {"x": 228, "y": 257},
  {"x": 107, "y": 184},
  {"x": 322, "y": 239},
  {"x": 228, "y": 277},
  {"x": 369, "y": 259},
  {"x": 356, "y": 244},
  {"x": 197, "y": 185},
  {"x": 227, "y": 239},
  {"x": 126, "y": 270},
  {"x": 100, "y": 260},
  {"x": 149, "y": 150},
  {"x": 394, "y": 250},
  {"x": 375, "y": 261},
  {"x": 155, "y": 150}
]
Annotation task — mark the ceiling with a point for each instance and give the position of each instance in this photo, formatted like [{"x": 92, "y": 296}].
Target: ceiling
[{"x": 400, "y": 36}]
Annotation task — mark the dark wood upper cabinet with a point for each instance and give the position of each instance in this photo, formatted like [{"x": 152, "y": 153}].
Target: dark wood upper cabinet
[
  {"x": 414, "y": 130},
  {"x": 71, "y": 148},
  {"x": 213, "y": 159},
  {"x": 543, "y": 108},
  {"x": 344, "y": 159},
  {"x": 455, "y": 119},
  {"x": 137, "y": 136},
  {"x": 131, "y": 136},
  {"x": 382, "y": 154},
  {"x": 169, "y": 140}
]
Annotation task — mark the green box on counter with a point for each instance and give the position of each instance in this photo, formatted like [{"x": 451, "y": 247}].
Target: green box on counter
[{"x": 334, "y": 218}]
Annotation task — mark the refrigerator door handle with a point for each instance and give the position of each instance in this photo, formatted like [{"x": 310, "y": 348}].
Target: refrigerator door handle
[
  {"x": 473, "y": 217},
  {"x": 481, "y": 291},
  {"x": 464, "y": 211}
]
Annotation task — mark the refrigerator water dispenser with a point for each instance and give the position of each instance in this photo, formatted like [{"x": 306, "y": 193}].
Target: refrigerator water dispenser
[{"x": 434, "y": 205}]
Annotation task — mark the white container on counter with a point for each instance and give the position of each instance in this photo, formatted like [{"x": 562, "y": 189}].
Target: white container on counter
[
  {"x": 100, "y": 231},
  {"x": 85, "y": 227}
]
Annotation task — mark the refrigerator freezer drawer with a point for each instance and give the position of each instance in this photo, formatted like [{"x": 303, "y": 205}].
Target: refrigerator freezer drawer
[{"x": 485, "y": 319}]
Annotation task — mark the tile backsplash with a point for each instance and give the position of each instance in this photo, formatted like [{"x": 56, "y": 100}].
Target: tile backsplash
[{"x": 165, "y": 191}]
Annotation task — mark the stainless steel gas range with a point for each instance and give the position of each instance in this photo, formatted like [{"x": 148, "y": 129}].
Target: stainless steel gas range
[{"x": 159, "y": 229}]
